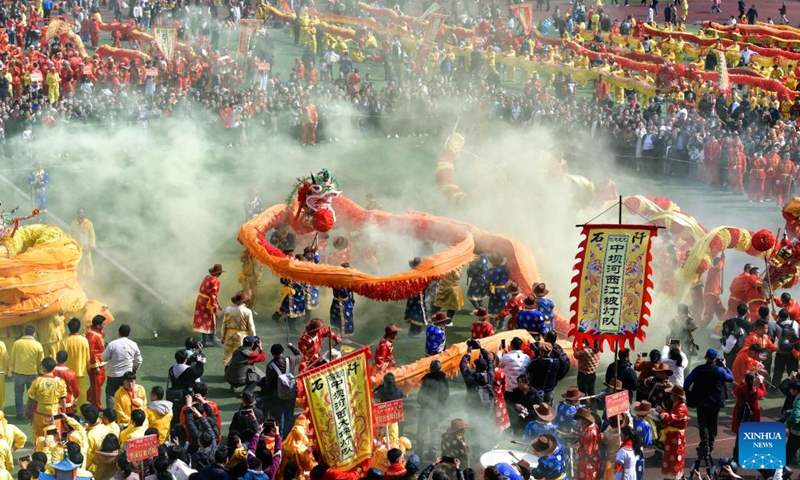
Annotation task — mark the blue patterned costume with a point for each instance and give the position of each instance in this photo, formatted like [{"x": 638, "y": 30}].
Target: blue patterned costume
[
  {"x": 498, "y": 296},
  {"x": 293, "y": 298},
  {"x": 312, "y": 292},
  {"x": 434, "y": 340},
  {"x": 552, "y": 467},
  {"x": 545, "y": 305},
  {"x": 342, "y": 310},
  {"x": 644, "y": 429},
  {"x": 416, "y": 313},
  {"x": 565, "y": 425},
  {"x": 536, "y": 428},
  {"x": 507, "y": 471},
  {"x": 476, "y": 273},
  {"x": 39, "y": 182},
  {"x": 532, "y": 321}
]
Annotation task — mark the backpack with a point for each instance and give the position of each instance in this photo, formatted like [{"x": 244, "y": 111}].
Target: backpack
[
  {"x": 787, "y": 338},
  {"x": 287, "y": 384},
  {"x": 563, "y": 362}
]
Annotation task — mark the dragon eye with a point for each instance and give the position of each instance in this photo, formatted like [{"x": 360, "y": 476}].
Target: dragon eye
[{"x": 316, "y": 188}]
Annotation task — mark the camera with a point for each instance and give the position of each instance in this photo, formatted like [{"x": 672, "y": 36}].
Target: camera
[
  {"x": 473, "y": 344},
  {"x": 523, "y": 414},
  {"x": 719, "y": 361}
]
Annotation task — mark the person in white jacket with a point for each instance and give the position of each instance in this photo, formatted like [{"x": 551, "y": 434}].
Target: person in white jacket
[{"x": 630, "y": 450}]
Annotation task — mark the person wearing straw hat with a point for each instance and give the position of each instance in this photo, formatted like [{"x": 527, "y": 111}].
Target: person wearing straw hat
[
  {"x": 645, "y": 428},
  {"x": 566, "y": 424},
  {"x": 512, "y": 306},
  {"x": 675, "y": 421},
  {"x": 587, "y": 445},
  {"x": 542, "y": 424},
  {"x": 206, "y": 306},
  {"x": 435, "y": 340},
  {"x": 237, "y": 323},
  {"x": 498, "y": 276},
  {"x": 659, "y": 384},
  {"x": 416, "y": 313},
  {"x": 342, "y": 307},
  {"x": 454, "y": 444},
  {"x": 384, "y": 352},
  {"x": 552, "y": 463},
  {"x": 529, "y": 318},
  {"x": 545, "y": 305},
  {"x": 481, "y": 328},
  {"x": 310, "y": 343},
  {"x": 478, "y": 285}
]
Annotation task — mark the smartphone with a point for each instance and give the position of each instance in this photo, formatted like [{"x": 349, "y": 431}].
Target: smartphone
[
  {"x": 503, "y": 344},
  {"x": 448, "y": 460},
  {"x": 674, "y": 342},
  {"x": 26, "y": 458}
]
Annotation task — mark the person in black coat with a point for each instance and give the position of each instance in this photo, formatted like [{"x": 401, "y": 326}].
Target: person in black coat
[
  {"x": 624, "y": 372},
  {"x": 200, "y": 420},
  {"x": 217, "y": 470},
  {"x": 521, "y": 400},
  {"x": 182, "y": 378},
  {"x": 241, "y": 420},
  {"x": 542, "y": 372},
  {"x": 480, "y": 392},
  {"x": 706, "y": 391},
  {"x": 432, "y": 398}
]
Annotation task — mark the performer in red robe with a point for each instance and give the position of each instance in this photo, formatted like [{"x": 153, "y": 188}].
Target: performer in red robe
[
  {"x": 757, "y": 176},
  {"x": 785, "y": 174},
  {"x": 482, "y": 328},
  {"x": 712, "y": 304},
  {"x": 207, "y": 306},
  {"x": 310, "y": 343},
  {"x": 97, "y": 371},
  {"x": 63, "y": 372},
  {"x": 736, "y": 166},
  {"x": 675, "y": 421},
  {"x": 512, "y": 307},
  {"x": 310, "y": 118},
  {"x": 588, "y": 450},
  {"x": 753, "y": 293},
  {"x": 737, "y": 291},
  {"x": 384, "y": 353},
  {"x": 773, "y": 163}
]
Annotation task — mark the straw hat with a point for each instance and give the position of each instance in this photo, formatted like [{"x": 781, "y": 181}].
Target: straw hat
[
  {"x": 642, "y": 409},
  {"x": 314, "y": 326},
  {"x": 390, "y": 329},
  {"x": 481, "y": 313},
  {"x": 240, "y": 297},
  {"x": 677, "y": 390},
  {"x": 216, "y": 270},
  {"x": 512, "y": 287},
  {"x": 439, "y": 318},
  {"x": 572, "y": 394},
  {"x": 540, "y": 290},
  {"x": 585, "y": 414}
]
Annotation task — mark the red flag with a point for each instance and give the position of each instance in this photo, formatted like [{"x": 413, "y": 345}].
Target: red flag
[{"x": 524, "y": 12}]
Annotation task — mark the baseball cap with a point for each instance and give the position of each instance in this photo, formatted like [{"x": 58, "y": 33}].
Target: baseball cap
[{"x": 711, "y": 354}]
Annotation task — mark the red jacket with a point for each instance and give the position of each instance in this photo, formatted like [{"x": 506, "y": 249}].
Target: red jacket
[{"x": 96, "y": 347}]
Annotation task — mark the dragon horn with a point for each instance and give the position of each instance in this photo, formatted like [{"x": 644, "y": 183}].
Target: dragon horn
[{"x": 313, "y": 179}]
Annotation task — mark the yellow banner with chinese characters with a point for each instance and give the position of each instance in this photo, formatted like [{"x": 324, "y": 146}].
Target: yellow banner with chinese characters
[
  {"x": 340, "y": 402},
  {"x": 611, "y": 301}
]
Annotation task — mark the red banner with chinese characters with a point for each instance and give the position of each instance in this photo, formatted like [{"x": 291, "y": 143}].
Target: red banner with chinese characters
[
  {"x": 247, "y": 29},
  {"x": 340, "y": 401},
  {"x": 387, "y": 413},
  {"x": 617, "y": 403},
  {"x": 611, "y": 301},
  {"x": 141, "y": 448},
  {"x": 524, "y": 13}
]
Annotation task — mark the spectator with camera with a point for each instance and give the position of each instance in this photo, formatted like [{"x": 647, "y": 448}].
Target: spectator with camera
[
  {"x": 706, "y": 389},
  {"x": 242, "y": 418},
  {"x": 183, "y": 377},
  {"x": 242, "y": 370},
  {"x": 200, "y": 425}
]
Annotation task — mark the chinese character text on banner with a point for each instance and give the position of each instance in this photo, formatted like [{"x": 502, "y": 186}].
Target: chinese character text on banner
[
  {"x": 338, "y": 397},
  {"x": 524, "y": 12},
  {"x": 247, "y": 29},
  {"x": 612, "y": 296},
  {"x": 165, "y": 38}
]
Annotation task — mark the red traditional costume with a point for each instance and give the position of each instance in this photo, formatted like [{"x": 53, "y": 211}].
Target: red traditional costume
[
  {"x": 482, "y": 330},
  {"x": 675, "y": 420},
  {"x": 310, "y": 345},
  {"x": 738, "y": 292},
  {"x": 736, "y": 165},
  {"x": 206, "y": 306},
  {"x": 500, "y": 411},
  {"x": 97, "y": 371},
  {"x": 773, "y": 162},
  {"x": 712, "y": 305},
  {"x": 757, "y": 175},
  {"x": 384, "y": 356},
  {"x": 751, "y": 396},
  {"x": 753, "y": 295},
  {"x": 785, "y": 174},
  {"x": 73, "y": 389},
  {"x": 310, "y": 119},
  {"x": 588, "y": 453},
  {"x": 791, "y": 306}
]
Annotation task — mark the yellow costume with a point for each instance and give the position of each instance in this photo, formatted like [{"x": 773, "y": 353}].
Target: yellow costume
[
  {"x": 78, "y": 360},
  {"x": 159, "y": 416},
  {"x": 132, "y": 431},
  {"x": 237, "y": 323},
  {"x": 53, "y": 85},
  {"x": 49, "y": 392},
  {"x": 11, "y": 434},
  {"x": 297, "y": 448},
  {"x": 83, "y": 233},
  {"x": 3, "y": 367},
  {"x": 94, "y": 438},
  {"x": 126, "y": 401},
  {"x": 77, "y": 435},
  {"x": 50, "y": 331},
  {"x": 26, "y": 355},
  {"x": 49, "y": 445}
]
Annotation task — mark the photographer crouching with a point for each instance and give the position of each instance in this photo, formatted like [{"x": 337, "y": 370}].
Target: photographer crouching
[
  {"x": 241, "y": 370},
  {"x": 706, "y": 392}
]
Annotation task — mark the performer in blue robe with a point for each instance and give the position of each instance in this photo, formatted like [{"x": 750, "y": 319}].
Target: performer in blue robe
[
  {"x": 531, "y": 319},
  {"x": 478, "y": 288},
  {"x": 435, "y": 340},
  {"x": 552, "y": 461},
  {"x": 545, "y": 305},
  {"x": 497, "y": 276},
  {"x": 342, "y": 310},
  {"x": 643, "y": 426},
  {"x": 543, "y": 425}
]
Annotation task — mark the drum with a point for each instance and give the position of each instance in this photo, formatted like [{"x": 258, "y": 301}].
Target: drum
[{"x": 493, "y": 457}]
